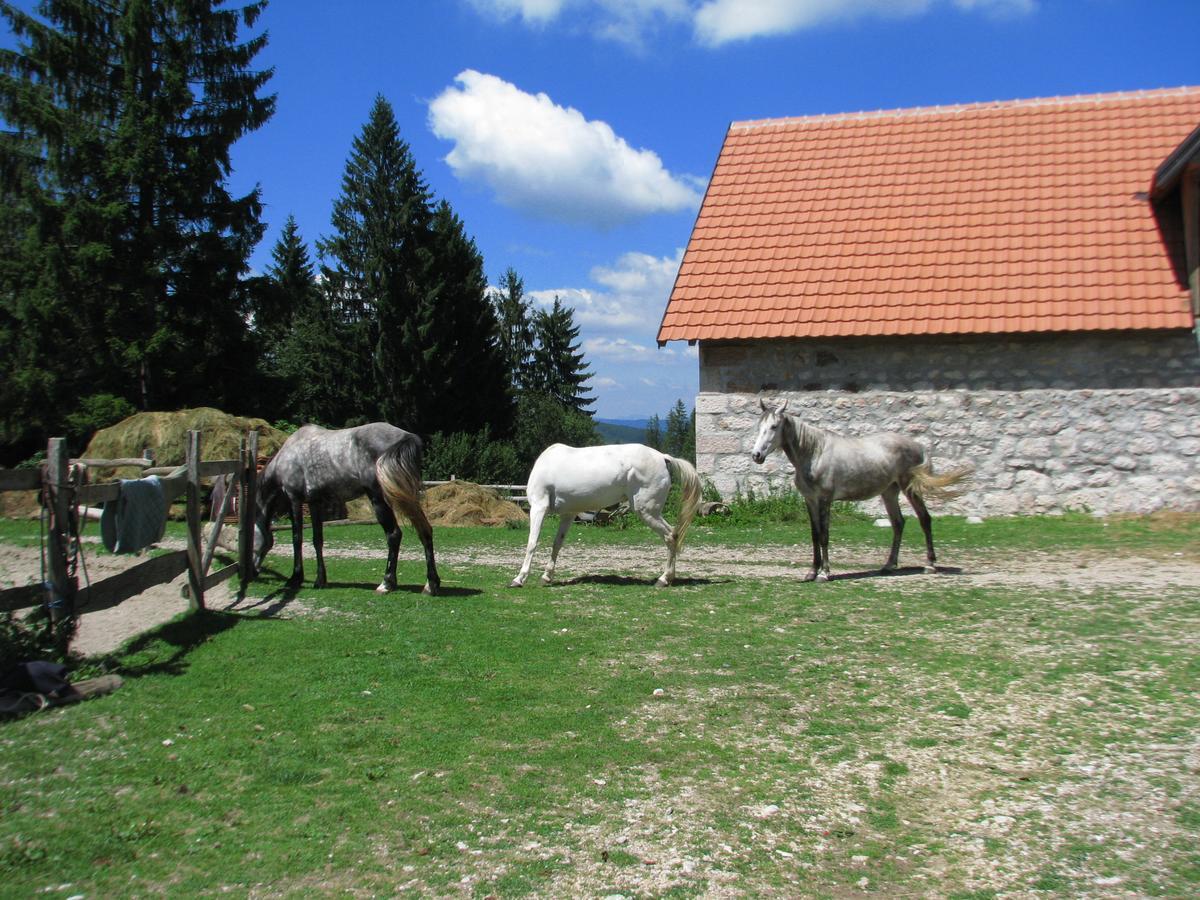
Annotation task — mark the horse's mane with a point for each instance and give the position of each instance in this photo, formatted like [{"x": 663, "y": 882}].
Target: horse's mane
[{"x": 803, "y": 437}]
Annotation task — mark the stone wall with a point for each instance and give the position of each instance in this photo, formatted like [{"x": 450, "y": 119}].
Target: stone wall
[{"x": 1129, "y": 442}]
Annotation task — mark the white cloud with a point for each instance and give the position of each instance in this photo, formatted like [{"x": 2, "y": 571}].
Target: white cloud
[
  {"x": 638, "y": 286},
  {"x": 717, "y": 22},
  {"x": 548, "y": 160},
  {"x": 723, "y": 21}
]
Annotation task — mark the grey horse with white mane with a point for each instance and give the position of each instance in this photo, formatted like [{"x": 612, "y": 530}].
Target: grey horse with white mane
[
  {"x": 832, "y": 467},
  {"x": 316, "y": 465}
]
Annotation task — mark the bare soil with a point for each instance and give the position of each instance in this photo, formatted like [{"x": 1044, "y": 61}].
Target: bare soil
[{"x": 103, "y": 631}]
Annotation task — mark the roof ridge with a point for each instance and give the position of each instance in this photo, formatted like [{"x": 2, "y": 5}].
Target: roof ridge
[{"x": 1068, "y": 100}]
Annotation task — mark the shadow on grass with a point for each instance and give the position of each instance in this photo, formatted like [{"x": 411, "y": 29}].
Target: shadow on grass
[
  {"x": 630, "y": 581},
  {"x": 163, "y": 650},
  {"x": 895, "y": 573}
]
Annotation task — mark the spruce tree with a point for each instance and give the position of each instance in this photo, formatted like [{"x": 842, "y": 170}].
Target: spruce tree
[
  {"x": 559, "y": 369},
  {"x": 468, "y": 376},
  {"x": 377, "y": 272},
  {"x": 121, "y": 117},
  {"x": 680, "y": 437},
  {"x": 516, "y": 328}
]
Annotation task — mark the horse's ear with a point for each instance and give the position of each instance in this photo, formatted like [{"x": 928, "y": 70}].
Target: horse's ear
[
  {"x": 762, "y": 404},
  {"x": 782, "y": 407}
]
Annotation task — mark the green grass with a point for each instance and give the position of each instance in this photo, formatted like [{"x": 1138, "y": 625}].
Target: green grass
[{"x": 929, "y": 737}]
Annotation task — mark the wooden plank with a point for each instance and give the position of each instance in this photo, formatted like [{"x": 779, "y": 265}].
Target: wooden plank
[
  {"x": 248, "y": 507},
  {"x": 62, "y": 604},
  {"x": 214, "y": 533},
  {"x": 23, "y": 597},
  {"x": 218, "y": 467},
  {"x": 20, "y": 479},
  {"x": 131, "y": 582},
  {"x": 212, "y": 579},
  {"x": 91, "y": 494},
  {"x": 194, "y": 550},
  {"x": 119, "y": 463}
]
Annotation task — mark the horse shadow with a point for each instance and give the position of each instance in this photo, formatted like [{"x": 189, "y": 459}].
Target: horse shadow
[
  {"x": 902, "y": 572},
  {"x": 631, "y": 581}
]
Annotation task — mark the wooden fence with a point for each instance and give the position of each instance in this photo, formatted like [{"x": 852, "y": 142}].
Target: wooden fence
[{"x": 62, "y": 484}]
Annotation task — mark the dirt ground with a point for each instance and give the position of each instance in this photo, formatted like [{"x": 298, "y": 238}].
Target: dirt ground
[{"x": 105, "y": 630}]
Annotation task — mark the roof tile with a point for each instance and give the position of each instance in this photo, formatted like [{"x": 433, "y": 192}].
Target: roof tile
[{"x": 1018, "y": 216}]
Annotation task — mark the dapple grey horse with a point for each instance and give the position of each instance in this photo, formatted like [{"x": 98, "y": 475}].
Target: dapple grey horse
[
  {"x": 832, "y": 467},
  {"x": 316, "y": 465}
]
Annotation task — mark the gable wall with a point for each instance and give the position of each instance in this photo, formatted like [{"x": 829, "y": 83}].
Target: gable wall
[{"x": 1102, "y": 422}]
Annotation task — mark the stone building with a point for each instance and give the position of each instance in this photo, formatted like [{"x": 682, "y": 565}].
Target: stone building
[{"x": 1014, "y": 283}]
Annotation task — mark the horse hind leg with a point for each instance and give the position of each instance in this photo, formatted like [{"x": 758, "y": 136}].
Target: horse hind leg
[
  {"x": 537, "y": 513},
  {"x": 318, "y": 531},
  {"x": 891, "y": 502},
  {"x": 561, "y": 535},
  {"x": 918, "y": 505},
  {"x": 651, "y": 513},
  {"x": 391, "y": 528}
]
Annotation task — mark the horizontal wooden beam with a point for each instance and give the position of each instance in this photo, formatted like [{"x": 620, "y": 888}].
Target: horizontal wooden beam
[
  {"x": 20, "y": 479},
  {"x": 212, "y": 579},
  {"x": 22, "y": 597},
  {"x": 219, "y": 467},
  {"x": 119, "y": 463},
  {"x": 131, "y": 582},
  {"x": 91, "y": 494}
]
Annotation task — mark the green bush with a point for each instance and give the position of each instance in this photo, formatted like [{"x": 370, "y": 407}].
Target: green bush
[{"x": 95, "y": 412}]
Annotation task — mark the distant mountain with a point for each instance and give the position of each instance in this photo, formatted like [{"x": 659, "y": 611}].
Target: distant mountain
[{"x": 622, "y": 431}]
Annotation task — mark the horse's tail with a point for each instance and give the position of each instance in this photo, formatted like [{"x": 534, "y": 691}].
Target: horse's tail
[
  {"x": 689, "y": 482},
  {"x": 399, "y": 472},
  {"x": 945, "y": 486}
]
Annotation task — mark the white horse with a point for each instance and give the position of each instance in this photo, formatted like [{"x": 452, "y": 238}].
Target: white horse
[
  {"x": 832, "y": 467},
  {"x": 569, "y": 480}
]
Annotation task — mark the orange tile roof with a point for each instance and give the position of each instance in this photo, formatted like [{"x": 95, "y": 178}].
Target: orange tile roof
[{"x": 1024, "y": 216}]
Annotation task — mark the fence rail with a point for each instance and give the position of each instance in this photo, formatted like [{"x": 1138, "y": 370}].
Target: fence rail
[{"x": 61, "y": 480}]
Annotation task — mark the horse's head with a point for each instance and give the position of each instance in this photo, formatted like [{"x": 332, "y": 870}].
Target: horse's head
[{"x": 770, "y": 432}]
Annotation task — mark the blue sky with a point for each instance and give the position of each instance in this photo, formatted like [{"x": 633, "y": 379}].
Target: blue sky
[{"x": 575, "y": 137}]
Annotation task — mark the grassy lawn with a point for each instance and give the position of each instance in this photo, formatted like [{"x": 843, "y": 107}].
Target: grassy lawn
[{"x": 910, "y": 736}]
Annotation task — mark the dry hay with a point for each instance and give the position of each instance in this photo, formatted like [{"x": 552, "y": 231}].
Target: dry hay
[
  {"x": 465, "y": 503},
  {"x": 166, "y": 433}
]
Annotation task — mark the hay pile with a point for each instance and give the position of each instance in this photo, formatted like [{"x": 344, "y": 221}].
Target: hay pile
[
  {"x": 166, "y": 433},
  {"x": 464, "y": 503}
]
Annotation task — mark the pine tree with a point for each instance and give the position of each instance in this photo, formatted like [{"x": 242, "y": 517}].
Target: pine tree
[
  {"x": 680, "y": 437},
  {"x": 377, "y": 271},
  {"x": 654, "y": 434},
  {"x": 516, "y": 328},
  {"x": 559, "y": 369},
  {"x": 121, "y": 117},
  {"x": 463, "y": 358}
]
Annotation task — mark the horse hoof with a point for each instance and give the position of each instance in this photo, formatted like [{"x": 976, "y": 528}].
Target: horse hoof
[
  {"x": 824, "y": 576},
  {"x": 931, "y": 570},
  {"x": 662, "y": 582},
  {"x": 810, "y": 576},
  {"x": 516, "y": 584},
  {"x": 889, "y": 568},
  {"x": 385, "y": 588},
  {"x": 431, "y": 589},
  {"x": 546, "y": 580}
]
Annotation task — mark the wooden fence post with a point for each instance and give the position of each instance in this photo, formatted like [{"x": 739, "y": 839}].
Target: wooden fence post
[
  {"x": 194, "y": 551},
  {"x": 62, "y": 585},
  {"x": 247, "y": 508}
]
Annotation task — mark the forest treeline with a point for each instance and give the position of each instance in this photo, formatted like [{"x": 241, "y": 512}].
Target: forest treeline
[{"x": 125, "y": 281}]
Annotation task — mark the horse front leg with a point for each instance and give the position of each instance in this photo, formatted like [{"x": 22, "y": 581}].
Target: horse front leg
[
  {"x": 918, "y": 505},
  {"x": 297, "y": 578},
  {"x": 318, "y": 531},
  {"x": 891, "y": 502},
  {"x": 814, "y": 522},
  {"x": 824, "y": 509}
]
